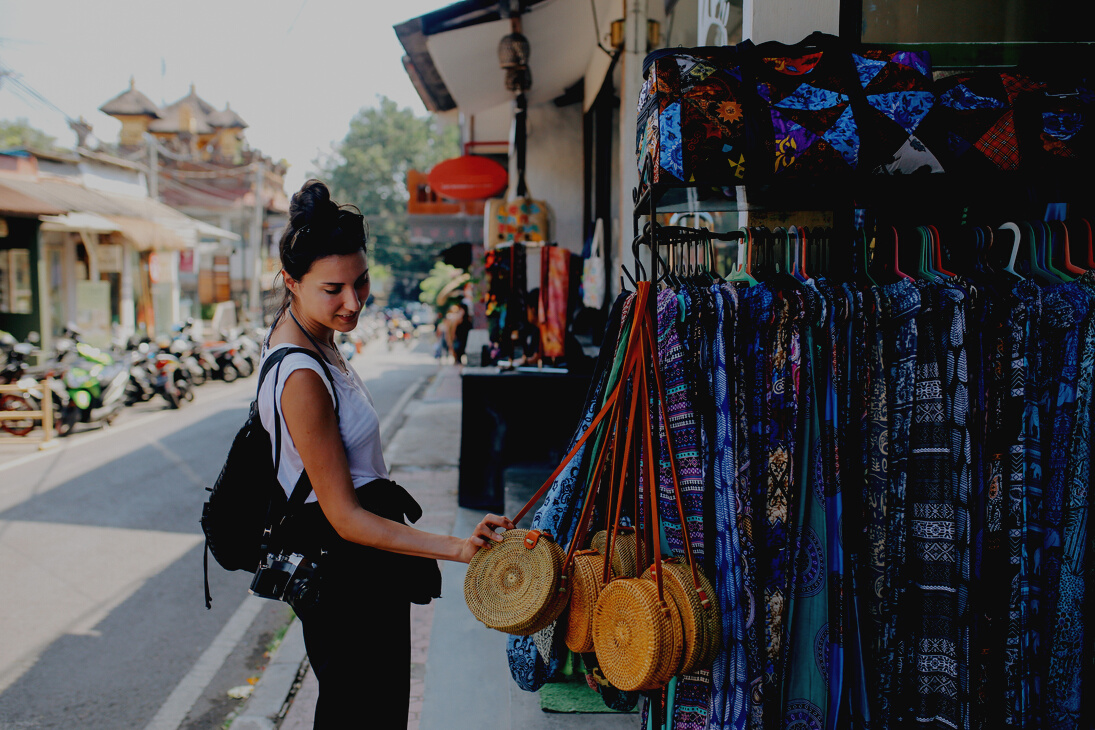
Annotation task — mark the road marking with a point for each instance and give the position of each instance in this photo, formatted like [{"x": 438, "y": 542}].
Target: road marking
[
  {"x": 87, "y": 438},
  {"x": 177, "y": 705},
  {"x": 397, "y": 409}
]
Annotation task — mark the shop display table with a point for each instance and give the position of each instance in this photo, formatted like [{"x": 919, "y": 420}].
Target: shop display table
[{"x": 510, "y": 417}]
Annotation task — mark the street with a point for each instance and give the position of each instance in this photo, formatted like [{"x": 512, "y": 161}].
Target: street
[{"x": 101, "y": 560}]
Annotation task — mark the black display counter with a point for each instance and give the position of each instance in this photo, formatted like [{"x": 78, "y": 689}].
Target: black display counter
[{"x": 510, "y": 417}]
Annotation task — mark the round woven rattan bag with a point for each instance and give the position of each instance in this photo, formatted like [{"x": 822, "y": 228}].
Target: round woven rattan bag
[
  {"x": 624, "y": 557},
  {"x": 638, "y": 645},
  {"x": 585, "y": 576},
  {"x": 513, "y": 585},
  {"x": 701, "y": 625}
]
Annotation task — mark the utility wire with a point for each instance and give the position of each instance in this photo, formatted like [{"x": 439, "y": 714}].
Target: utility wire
[{"x": 28, "y": 93}]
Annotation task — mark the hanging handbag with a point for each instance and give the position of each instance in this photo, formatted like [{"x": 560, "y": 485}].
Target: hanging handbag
[
  {"x": 637, "y": 631},
  {"x": 593, "y": 269},
  {"x": 691, "y": 117},
  {"x": 686, "y": 583},
  {"x": 519, "y": 585}
]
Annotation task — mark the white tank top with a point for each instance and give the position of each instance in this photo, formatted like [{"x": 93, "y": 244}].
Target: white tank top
[{"x": 358, "y": 422}]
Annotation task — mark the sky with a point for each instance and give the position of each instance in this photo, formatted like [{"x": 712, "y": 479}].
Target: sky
[{"x": 297, "y": 71}]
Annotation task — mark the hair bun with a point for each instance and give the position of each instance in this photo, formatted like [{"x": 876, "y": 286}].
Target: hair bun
[{"x": 312, "y": 204}]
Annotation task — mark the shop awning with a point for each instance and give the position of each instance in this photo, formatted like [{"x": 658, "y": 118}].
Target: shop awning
[
  {"x": 452, "y": 53},
  {"x": 15, "y": 203},
  {"x": 146, "y": 223},
  {"x": 78, "y": 222}
]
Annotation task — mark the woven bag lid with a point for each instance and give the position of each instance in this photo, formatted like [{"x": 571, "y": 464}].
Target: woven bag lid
[
  {"x": 638, "y": 646},
  {"x": 586, "y": 574},
  {"x": 701, "y": 625},
  {"x": 624, "y": 552},
  {"x": 508, "y": 584}
]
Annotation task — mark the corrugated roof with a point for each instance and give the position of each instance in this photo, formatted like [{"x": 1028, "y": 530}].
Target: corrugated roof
[
  {"x": 146, "y": 222},
  {"x": 15, "y": 203},
  {"x": 130, "y": 102}
]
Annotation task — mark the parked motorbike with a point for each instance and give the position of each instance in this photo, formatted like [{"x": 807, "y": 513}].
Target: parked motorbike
[
  {"x": 171, "y": 379},
  {"x": 139, "y": 388},
  {"x": 95, "y": 382},
  {"x": 15, "y": 370},
  {"x": 231, "y": 364}
]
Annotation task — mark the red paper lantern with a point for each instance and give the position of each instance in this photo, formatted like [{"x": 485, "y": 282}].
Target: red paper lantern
[{"x": 468, "y": 177}]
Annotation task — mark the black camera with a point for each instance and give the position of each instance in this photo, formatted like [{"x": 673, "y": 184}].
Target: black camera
[{"x": 292, "y": 578}]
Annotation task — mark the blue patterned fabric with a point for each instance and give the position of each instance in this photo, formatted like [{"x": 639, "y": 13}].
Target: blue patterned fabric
[
  {"x": 730, "y": 678},
  {"x": 1066, "y": 625}
]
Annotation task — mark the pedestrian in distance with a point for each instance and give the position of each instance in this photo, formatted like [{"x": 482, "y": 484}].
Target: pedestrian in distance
[{"x": 358, "y": 633}]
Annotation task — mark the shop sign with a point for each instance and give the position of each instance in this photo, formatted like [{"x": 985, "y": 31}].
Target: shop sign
[
  {"x": 160, "y": 268},
  {"x": 110, "y": 257},
  {"x": 468, "y": 177},
  {"x": 186, "y": 261}
]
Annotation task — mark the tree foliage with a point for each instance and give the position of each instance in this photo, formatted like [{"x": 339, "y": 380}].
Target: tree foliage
[
  {"x": 20, "y": 135},
  {"x": 369, "y": 169}
]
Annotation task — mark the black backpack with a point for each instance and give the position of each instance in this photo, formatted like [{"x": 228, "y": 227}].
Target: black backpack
[{"x": 247, "y": 502}]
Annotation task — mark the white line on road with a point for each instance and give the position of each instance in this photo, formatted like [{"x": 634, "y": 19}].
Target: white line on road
[
  {"x": 178, "y": 704},
  {"x": 397, "y": 409},
  {"x": 103, "y": 432}
]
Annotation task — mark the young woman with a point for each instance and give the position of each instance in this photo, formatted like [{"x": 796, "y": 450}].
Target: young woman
[{"x": 358, "y": 633}]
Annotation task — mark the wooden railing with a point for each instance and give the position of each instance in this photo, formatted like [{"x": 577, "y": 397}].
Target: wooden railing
[{"x": 43, "y": 416}]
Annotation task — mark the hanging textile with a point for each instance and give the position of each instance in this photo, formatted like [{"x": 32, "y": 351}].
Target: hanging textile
[{"x": 554, "y": 296}]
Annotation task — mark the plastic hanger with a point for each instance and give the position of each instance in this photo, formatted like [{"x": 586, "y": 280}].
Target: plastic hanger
[
  {"x": 924, "y": 270},
  {"x": 741, "y": 268},
  {"x": 862, "y": 258},
  {"x": 1040, "y": 252},
  {"x": 808, "y": 250},
  {"x": 1080, "y": 242},
  {"x": 934, "y": 232},
  {"x": 1014, "y": 255},
  {"x": 896, "y": 256},
  {"x": 1049, "y": 251},
  {"x": 1059, "y": 231},
  {"x": 794, "y": 247}
]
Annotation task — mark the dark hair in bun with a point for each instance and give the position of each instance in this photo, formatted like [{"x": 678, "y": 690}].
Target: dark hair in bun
[{"x": 318, "y": 227}]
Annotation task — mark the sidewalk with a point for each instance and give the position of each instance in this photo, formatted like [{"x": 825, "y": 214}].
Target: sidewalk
[{"x": 459, "y": 674}]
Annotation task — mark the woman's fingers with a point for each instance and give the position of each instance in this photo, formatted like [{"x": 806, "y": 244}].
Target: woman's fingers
[
  {"x": 498, "y": 521},
  {"x": 485, "y": 533}
]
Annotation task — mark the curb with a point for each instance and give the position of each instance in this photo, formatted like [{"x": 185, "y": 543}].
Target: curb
[{"x": 264, "y": 709}]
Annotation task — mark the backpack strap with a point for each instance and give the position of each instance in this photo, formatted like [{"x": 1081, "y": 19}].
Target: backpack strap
[{"x": 303, "y": 486}]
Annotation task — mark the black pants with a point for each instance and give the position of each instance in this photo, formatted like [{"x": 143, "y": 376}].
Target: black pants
[
  {"x": 359, "y": 645},
  {"x": 358, "y": 636}
]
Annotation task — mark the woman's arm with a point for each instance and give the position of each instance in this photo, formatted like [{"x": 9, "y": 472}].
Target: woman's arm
[{"x": 310, "y": 418}]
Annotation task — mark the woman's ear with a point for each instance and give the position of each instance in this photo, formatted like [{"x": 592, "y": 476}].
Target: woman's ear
[{"x": 290, "y": 283}]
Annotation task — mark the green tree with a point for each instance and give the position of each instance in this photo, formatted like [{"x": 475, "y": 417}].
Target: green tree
[
  {"x": 19, "y": 134},
  {"x": 369, "y": 169}
]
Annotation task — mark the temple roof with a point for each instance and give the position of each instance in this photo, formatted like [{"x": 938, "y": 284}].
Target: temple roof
[
  {"x": 130, "y": 103},
  {"x": 227, "y": 119},
  {"x": 172, "y": 115}
]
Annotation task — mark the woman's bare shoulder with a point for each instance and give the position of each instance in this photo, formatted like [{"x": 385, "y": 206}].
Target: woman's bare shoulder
[{"x": 283, "y": 335}]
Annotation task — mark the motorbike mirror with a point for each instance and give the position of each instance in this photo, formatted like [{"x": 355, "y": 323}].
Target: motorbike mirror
[{"x": 33, "y": 337}]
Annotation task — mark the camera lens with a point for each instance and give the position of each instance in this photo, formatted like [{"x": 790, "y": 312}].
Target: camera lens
[{"x": 302, "y": 595}]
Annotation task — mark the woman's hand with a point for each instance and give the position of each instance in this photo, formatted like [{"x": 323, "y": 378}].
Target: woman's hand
[{"x": 484, "y": 533}]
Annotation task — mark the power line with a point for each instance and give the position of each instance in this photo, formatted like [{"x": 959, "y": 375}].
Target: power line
[{"x": 28, "y": 93}]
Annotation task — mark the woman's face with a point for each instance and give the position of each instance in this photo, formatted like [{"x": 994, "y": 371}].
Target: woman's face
[{"x": 333, "y": 291}]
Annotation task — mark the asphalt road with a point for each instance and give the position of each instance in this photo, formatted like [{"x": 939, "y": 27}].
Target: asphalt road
[{"x": 103, "y": 611}]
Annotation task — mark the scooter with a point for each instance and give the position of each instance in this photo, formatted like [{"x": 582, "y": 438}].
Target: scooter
[
  {"x": 171, "y": 379},
  {"x": 96, "y": 386},
  {"x": 13, "y": 355}
]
